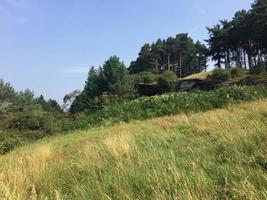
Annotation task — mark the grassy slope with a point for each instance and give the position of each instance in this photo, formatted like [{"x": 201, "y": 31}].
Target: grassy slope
[
  {"x": 220, "y": 154},
  {"x": 201, "y": 76}
]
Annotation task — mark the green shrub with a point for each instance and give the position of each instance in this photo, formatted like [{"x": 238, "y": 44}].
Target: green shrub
[
  {"x": 34, "y": 120},
  {"x": 10, "y": 139},
  {"x": 260, "y": 69},
  {"x": 149, "y": 77},
  {"x": 220, "y": 74},
  {"x": 171, "y": 103},
  {"x": 7, "y": 143},
  {"x": 168, "y": 81},
  {"x": 237, "y": 73},
  {"x": 145, "y": 77}
]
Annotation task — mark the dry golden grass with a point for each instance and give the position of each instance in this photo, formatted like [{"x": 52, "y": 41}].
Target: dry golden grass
[
  {"x": 35, "y": 171},
  {"x": 200, "y": 76},
  {"x": 118, "y": 145}
]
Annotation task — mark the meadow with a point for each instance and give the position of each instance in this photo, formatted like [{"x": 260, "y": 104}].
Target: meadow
[
  {"x": 160, "y": 128},
  {"x": 218, "y": 154}
]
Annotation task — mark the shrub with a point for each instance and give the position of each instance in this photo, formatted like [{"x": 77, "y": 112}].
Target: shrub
[
  {"x": 10, "y": 139},
  {"x": 149, "y": 77},
  {"x": 168, "y": 81},
  {"x": 145, "y": 77},
  {"x": 7, "y": 143},
  {"x": 260, "y": 69},
  {"x": 220, "y": 74},
  {"x": 35, "y": 120},
  {"x": 171, "y": 103},
  {"x": 237, "y": 73}
]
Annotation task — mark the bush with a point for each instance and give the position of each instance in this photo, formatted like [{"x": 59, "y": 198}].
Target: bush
[
  {"x": 10, "y": 139},
  {"x": 220, "y": 74},
  {"x": 171, "y": 103},
  {"x": 34, "y": 121},
  {"x": 145, "y": 77},
  {"x": 260, "y": 69},
  {"x": 149, "y": 77},
  {"x": 7, "y": 143},
  {"x": 237, "y": 73},
  {"x": 168, "y": 81}
]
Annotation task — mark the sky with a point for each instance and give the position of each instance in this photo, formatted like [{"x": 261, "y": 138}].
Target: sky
[{"x": 49, "y": 45}]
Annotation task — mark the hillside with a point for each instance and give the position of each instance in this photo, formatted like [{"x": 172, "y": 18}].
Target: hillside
[
  {"x": 219, "y": 154},
  {"x": 200, "y": 76}
]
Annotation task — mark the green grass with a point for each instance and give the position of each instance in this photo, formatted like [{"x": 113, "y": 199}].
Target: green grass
[{"x": 219, "y": 154}]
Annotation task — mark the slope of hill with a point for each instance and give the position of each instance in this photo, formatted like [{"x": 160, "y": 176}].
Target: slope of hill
[
  {"x": 200, "y": 76},
  {"x": 219, "y": 154}
]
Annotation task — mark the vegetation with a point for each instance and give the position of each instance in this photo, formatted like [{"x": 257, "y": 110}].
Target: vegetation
[
  {"x": 110, "y": 82},
  {"x": 179, "y": 54},
  {"x": 214, "y": 149},
  {"x": 220, "y": 74},
  {"x": 24, "y": 117},
  {"x": 169, "y": 104},
  {"x": 220, "y": 154},
  {"x": 240, "y": 42},
  {"x": 199, "y": 76},
  {"x": 168, "y": 81},
  {"x": 32, "y": 124},
  {"x": 147, "y": 77},
  {"x": 237, "y": 73}
]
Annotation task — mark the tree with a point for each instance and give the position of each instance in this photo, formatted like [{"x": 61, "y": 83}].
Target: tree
[
  {"x": 115, "y": 77},
  {"x": 178, "y": 54},
  {"x": 7, "y": 92},
  {"x": 144, "y": 61},
  {"x": 242, "y": 40},
  {"x": 94, "y": 84},
  {"x": 112, "y": 79},
  {"x": 216, "y": 50}
]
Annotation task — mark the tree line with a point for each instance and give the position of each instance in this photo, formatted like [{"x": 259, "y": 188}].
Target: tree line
[
  {"x": 178, "y": 54},
  {"x": 160, "y": 63},
  {"x": 242, "y": 41},
  {"x": 23, "y": 111}
]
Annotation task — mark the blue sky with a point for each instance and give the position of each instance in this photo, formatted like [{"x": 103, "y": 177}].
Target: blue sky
[{"x": 49, "y": 45}]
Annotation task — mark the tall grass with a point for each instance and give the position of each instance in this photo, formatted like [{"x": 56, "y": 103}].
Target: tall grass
[{"x": 219, "y": 154}]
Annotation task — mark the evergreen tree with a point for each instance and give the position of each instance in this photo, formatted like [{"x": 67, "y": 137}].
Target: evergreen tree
[
  {"x": 178, "y": 54},
  {"x": 115, "y": 77},
  {"x": 241, "y": 41},
  {"x": 111, "y": 83}
]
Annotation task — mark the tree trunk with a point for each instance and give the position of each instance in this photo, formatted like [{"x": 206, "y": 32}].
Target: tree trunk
[
  {"x": 219, "y": 63},
  {"x": 249, "y": 61},
  {"x": 226, "y": 60},
  {"x": 245, "y": 60},
  {"x": 255, "y": 60},
  {"x": 169, "y": 68}
]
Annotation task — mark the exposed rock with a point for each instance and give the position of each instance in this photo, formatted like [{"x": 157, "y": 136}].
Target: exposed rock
[{"x": 186, "y": 85}]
